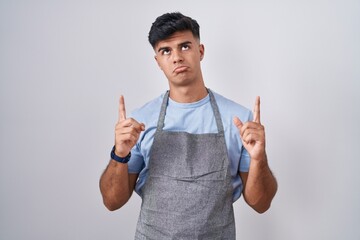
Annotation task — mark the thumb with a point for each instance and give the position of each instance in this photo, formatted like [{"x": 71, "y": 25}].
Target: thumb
[{"x": 237, "y": 122}]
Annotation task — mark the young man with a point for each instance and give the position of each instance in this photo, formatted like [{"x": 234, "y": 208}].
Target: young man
[{"x": 189, "y": 153}]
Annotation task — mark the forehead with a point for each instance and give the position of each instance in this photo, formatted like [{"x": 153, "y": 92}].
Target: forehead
[{"x": 176, "y": 39}]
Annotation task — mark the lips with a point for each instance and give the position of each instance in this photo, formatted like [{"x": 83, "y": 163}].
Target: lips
[{"x": 180, "y": 69}]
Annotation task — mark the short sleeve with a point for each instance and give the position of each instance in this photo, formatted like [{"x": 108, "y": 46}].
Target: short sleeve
[
  {"x": 244, "y": 161},
  {"x": 245, "y": 157},
  {"x": 136, "y": 162}
]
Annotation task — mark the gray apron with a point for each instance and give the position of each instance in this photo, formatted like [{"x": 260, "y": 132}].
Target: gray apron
[{"x": 188, "y": 190}]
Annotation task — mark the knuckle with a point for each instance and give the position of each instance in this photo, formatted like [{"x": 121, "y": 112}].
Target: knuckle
[{"x": 132, "y": 120}]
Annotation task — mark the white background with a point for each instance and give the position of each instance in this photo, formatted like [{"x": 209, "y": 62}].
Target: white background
[{"x": 63, "y": 65}]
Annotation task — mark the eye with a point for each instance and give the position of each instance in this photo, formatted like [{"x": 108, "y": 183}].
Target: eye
[
  {"x": 185, "y": 47},
  {"x": 165, "y": 52}
]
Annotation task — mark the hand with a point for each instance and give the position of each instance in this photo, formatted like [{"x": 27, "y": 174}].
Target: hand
[
  {"x": 127, "y": 131},
  {"x": 253, "y": 134}
]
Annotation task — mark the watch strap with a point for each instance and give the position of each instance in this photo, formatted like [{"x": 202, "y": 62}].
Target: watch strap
[{"x": 119, "y": 159}]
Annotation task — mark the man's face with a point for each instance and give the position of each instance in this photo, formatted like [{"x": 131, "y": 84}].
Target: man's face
[{"x": 179, "y": 58}]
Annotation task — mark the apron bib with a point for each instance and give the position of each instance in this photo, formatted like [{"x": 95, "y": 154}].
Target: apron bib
[{"x": 188, "y": 190}]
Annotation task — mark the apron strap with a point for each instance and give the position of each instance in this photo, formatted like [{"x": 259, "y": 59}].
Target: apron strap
[
  {"x": 216, "y": 112},
  {"x": 160, "y": 124}
]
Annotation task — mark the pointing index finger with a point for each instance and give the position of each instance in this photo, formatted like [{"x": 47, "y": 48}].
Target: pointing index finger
[
  {"x": 257, "y": 110},
  {"x": 122, "y": 111}
]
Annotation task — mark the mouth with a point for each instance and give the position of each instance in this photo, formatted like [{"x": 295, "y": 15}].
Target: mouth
[{"x": 180, "y": 69}]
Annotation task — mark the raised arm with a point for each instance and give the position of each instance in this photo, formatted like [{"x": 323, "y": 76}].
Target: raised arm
[
  {"x": 116, "y": 184},
  {"x": 260, "y": 185}
]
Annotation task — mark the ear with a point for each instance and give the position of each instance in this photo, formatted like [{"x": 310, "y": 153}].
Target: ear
[
  {"x": 157, "y": 61},
  {"x": 202, "y": 51}
]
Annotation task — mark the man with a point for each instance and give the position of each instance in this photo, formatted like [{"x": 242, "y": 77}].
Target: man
[{"x": 189, "y": 153}]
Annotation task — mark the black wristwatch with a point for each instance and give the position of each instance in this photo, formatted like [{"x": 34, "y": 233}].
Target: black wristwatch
[{"x": 119, "y": 159}]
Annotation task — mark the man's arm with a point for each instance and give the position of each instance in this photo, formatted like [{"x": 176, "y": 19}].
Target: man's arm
[
  {"x": 116, "y": 184},
  {"x": 260, "y": 185}
]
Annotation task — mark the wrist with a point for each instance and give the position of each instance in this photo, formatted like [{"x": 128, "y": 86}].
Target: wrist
[
  {"x": 119, "y": 157},
  {"x": 260, "y": 159},
  {"x": 119, "y": 153}
]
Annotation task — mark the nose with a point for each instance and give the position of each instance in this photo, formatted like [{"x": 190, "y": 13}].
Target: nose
[{"x": 177, "y": 57}]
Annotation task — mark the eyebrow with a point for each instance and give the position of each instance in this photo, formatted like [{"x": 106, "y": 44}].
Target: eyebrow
[{"x": 180, "y": 44}]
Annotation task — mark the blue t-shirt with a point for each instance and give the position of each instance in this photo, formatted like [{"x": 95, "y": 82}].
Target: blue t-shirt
[{"x": 196, "y": 118}]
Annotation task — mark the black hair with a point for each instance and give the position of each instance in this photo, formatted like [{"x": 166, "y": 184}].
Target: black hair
[{"x": 169, "y": 23}]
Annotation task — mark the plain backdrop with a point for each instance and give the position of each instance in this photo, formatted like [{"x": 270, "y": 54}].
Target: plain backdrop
[{"x": 64, "y": 64}]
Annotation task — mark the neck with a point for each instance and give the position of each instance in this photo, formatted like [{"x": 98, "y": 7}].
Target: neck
[{"x": 188, "y": 94}]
